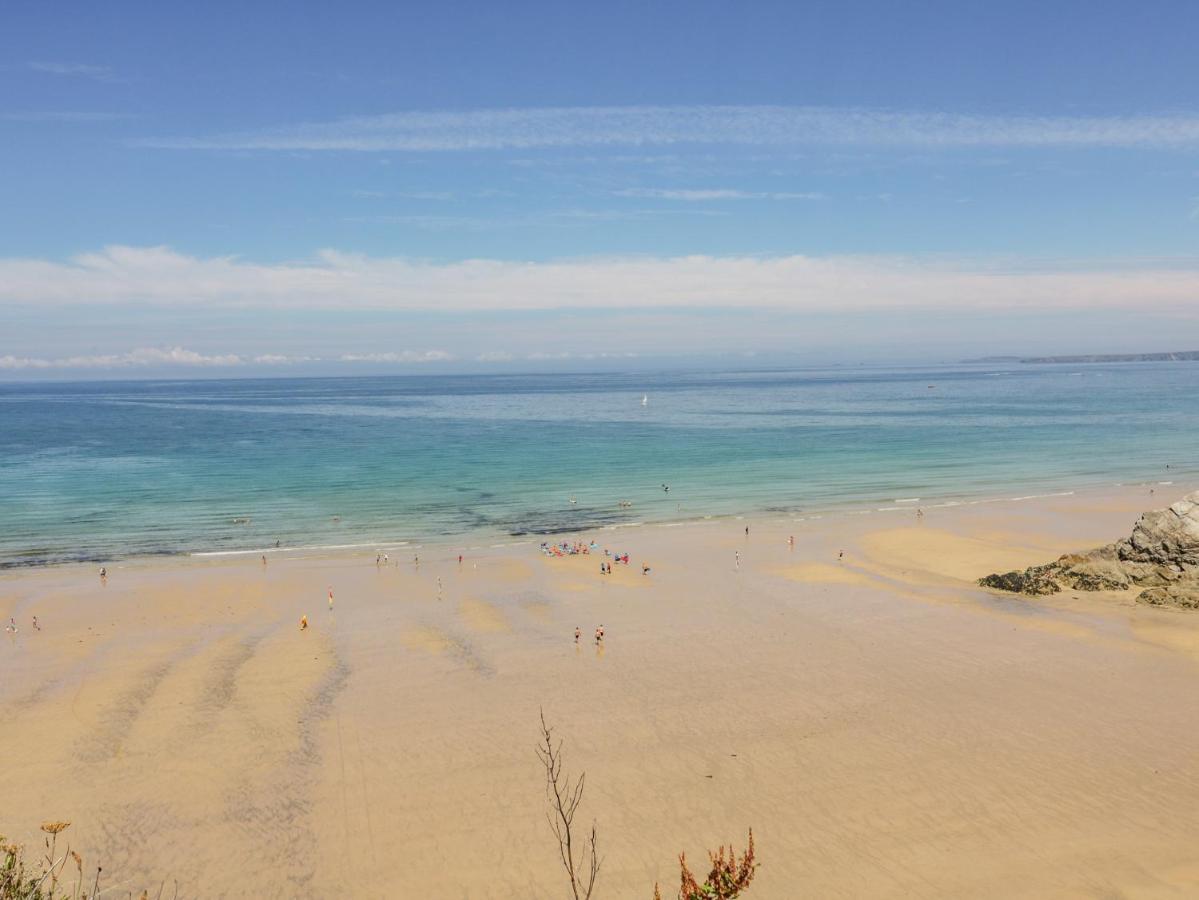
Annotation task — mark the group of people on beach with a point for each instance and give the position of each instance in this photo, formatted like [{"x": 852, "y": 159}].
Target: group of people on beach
[
  {"x": 599, "y": 634},
  {"x": 568, "y": 549},
  {"x": 11, "y": 627},
  {"x": 583, "y": 548}
]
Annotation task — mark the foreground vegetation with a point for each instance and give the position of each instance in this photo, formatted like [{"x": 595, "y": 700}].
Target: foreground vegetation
[
  {"x": 51, "y": 876},
  {"x": 728, "y": 878}
]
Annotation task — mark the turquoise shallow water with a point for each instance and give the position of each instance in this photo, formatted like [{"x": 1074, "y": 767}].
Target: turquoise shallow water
[{"x": 102, "y": 470}]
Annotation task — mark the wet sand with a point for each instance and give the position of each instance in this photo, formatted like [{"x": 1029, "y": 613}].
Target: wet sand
[{"x": 887, "y": 728}]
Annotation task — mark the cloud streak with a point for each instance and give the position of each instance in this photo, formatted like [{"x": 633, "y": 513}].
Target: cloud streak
[
  {"x": 699, "y": 195},
  {"x": 178, "y": 357},
  {"x": 158, "y": 277},
  {"x": 75, "y": 70},
  {"x": 140, "y": 358},
  {"x": 655, "y": 126},
  {"x": 70, "y": 116}
]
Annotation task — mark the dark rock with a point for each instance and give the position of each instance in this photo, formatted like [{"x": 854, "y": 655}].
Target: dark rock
[
  {"x": 1095, "y": 575},
  {"x": 1175, "y": 595},
  {"x": 1035, "y": 582},
  {"x": 1161, "y": 555}
]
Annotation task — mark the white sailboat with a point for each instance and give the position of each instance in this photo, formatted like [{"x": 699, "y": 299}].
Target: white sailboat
[{"x": 645, "y": 399}]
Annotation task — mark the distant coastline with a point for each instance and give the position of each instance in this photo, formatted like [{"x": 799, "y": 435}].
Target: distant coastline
[{"x": 1183, "y": 356}]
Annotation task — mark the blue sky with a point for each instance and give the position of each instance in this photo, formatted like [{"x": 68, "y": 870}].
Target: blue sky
[{"x": 303, "y": 187}]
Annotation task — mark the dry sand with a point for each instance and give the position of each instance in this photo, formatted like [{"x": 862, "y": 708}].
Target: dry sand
[{"x": 886, "y": 728}]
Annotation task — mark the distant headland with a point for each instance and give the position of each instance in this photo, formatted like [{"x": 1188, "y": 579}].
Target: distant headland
[{"x": 1183, "y": 356}]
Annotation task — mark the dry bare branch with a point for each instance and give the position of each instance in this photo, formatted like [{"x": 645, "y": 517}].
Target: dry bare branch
[{"x": 563, "y": 797}]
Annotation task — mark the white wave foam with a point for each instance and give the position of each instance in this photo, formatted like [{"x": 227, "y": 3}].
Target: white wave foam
[
  {"x": 1042, "y": 496},
  {"x": 314, "y": 549}
]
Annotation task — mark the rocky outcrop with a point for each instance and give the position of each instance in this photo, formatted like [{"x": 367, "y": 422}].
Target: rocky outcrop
[
  {"x": 1035, "y": 582},
  {"x": 1165, "y": 537},
  {"x": 1161, "y": 556}
]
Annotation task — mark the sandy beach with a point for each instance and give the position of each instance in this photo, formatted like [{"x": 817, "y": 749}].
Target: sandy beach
[{"x": 886, "y": 727}]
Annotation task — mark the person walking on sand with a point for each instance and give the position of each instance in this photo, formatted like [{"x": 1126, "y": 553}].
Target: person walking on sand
[
  {"x": 791, "y": 542},
  {"x": 103, "y": 573},
  {"x": 737, "y": 559},
  {"x": 841, "y": 556},
  {"x": 330, "y": 596},
  {"x": 264, "y": 559},
  {"x": 578, "y": 634},
  {"x": 303, "y": 623},
  {"x": 36, "y": 626},
  {"x": 11, "y": 627},
  {"x": 747, "y": 531}
]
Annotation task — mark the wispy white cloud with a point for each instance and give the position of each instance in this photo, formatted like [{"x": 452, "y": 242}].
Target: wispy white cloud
[
  {"x": 404, "y": 356},
  {"x": 152, "y": 357},
  {"x": 140, "y": 358},
  {"x": 705, "y": 194},
  {"x": 275, "y": 359},
  {"x": 75, "y": 70},
  {"x": 435, "y": 196},
  {"x": 333, "y": 280},
  {"x": 556, "y": 217},
  {"x": 63, "y": 116},
  {"x": 563, "y": 355},
  {"x": 648, "y": 126}
]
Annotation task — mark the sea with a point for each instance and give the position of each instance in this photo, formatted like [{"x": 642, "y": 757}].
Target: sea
[{"x": 107, "y": 470}]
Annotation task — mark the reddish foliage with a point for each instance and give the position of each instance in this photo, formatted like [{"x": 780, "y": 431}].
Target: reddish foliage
[{"x": 728, "y": 878}]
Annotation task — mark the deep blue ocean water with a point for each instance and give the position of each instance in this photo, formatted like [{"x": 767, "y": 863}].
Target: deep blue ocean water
[{"x": 95, "y": 471}]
